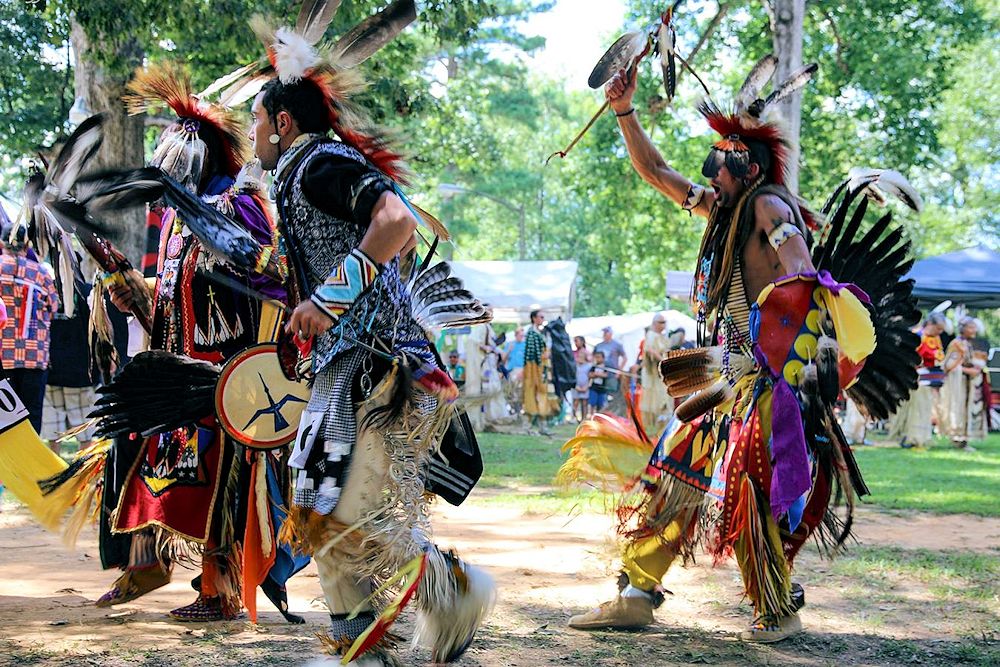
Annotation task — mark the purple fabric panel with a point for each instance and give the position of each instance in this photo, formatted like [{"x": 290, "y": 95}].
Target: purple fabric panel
[
  {"x": 249, "y": 212},
  {"x": 827, "y": 281},
  {"x": 790, "y": 471}
]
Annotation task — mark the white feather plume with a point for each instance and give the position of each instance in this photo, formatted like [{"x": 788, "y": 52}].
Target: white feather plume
[
  {"x": 293, "y": 55},
  {"x": 888, "y": 181},
  {"x": 756, "y": 80}
]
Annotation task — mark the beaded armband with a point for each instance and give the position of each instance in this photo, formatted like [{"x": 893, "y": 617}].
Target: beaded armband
[
  {"x": 348, "y": 280},
  {"x": 782, "y": 233},
  {"x": 693, "y": 197}
]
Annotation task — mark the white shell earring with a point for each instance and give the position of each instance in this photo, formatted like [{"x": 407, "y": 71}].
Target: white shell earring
[{"x": 274, "y": 138}]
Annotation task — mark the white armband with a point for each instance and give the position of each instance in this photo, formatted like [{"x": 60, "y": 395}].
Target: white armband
[
  {"x": 782, "y": 233},
  {"x": 694, "y": 196}
]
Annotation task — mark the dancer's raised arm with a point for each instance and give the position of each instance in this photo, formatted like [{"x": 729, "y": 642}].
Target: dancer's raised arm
[{"x": 646, "y": 159}]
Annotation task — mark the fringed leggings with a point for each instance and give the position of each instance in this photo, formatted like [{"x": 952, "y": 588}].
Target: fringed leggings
[{"x": 766, "y": 574}]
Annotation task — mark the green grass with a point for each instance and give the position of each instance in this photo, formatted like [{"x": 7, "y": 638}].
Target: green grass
[
  {"x": 950, "y": 574},
  {"x": 521, "y": 460},
  {"x": 940, "y": 479}
]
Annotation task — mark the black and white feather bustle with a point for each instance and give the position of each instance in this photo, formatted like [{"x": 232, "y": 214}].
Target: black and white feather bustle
[
  {"x": 221, "y": 235},
  {"x": 156, "y": 392},
  {"x": 439, "y": 300},
  {"x": 875, "y": 261},
  {"x": 53, "y": 211},
  {"x": 218, "y": 233}
]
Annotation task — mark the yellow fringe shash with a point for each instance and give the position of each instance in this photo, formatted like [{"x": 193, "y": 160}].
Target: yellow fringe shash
[
  {"x": 80, "y": 493},
  {"x": 760, "y": 554},
  {"x": 24, "y": 460}
]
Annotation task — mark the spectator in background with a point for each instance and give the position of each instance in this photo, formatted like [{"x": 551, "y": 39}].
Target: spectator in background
[
  {"x": 536, "y": 395},
  {"x": 597, "y": 396},
  {"x": 581, "y": 355},
  {"x": 614, "y": 358},
  {"x": 677, "y": 340},
  {"x": 482, "y": 377},
  {"x": 29, "y": 295},
  {"x": 69, "y": 395},
  {"x": 513, "y": 355},
  {"x": 962, "y": 406},
  {"x": 656, "y": 405},
  {"x": 581, "y": 392},
  {"x": 455, "y": 368},
  {"x": 913, "y": 422}
]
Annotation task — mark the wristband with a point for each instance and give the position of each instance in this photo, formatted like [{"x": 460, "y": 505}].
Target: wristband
[
  {"x": 693, "y": 197},
  {"x": 348, "y": 280},
  {"x": 627, "y": 113}
]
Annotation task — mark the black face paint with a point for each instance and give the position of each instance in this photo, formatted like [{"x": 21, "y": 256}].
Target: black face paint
[
  {"x": 738, "y": 163},
  {"x": 713, "y": 163}
]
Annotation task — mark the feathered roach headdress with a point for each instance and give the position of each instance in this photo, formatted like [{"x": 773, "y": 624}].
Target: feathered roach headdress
[
  {"x": 747, "y": 123},
  {"x": 293, "y": 57},
  {"x": 203, "y": 134}
]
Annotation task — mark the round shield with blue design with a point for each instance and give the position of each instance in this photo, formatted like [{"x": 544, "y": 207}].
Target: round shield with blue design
[{"x": 254, "y": 401}]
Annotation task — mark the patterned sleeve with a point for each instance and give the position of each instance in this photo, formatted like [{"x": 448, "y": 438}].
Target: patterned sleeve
[{"x": 344, "y": 188}]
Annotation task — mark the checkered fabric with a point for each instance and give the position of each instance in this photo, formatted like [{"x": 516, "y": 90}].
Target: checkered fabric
[
  {"x": 66, "y": 408},
  {"x": 29, "y": 295},
  {"x": 321, "y": 468}
]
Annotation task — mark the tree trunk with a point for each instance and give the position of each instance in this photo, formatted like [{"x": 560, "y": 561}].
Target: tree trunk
[
  {"x": 786, "y": 33},
  {"x": 123, "y": 134}
]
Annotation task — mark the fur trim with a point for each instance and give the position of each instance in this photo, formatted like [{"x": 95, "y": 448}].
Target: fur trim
[{"x": 455, "y": 598}]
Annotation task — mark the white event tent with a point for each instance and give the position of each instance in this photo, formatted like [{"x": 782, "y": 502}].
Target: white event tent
[
  {"x": 629, "y": 329},
  {"x": 514, "y": 288}
]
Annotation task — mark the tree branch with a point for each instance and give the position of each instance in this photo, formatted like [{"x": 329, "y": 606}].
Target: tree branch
[
  {"x": 707, "y": 33},
  {"x": 838, "y": 52}
]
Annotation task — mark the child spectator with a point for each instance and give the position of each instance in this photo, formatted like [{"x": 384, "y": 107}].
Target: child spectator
[
  {"x": 456, "y": 369},
  {"x": 598, "y": 395}
]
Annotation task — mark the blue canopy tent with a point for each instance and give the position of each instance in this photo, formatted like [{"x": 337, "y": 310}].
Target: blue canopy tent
[{"x": 970, "y": 277}]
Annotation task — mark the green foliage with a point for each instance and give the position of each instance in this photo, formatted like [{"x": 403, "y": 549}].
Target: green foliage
[
  {"x": 36, "y": 82},
  {"x": 911, "y": 85}
]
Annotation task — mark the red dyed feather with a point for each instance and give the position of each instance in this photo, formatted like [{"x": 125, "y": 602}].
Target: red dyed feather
[
  {"x": 727, "y": 124},
  {"x": 170, "y": 84}
]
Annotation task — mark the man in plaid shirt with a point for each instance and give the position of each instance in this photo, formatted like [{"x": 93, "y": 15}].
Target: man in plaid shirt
[{"x": 29, "y": 296}]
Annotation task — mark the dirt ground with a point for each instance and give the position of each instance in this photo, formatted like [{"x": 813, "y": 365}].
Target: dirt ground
[{"x": 547, "y": 568}]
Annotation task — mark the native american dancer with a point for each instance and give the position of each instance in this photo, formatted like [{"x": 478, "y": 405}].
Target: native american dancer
[
  {"x": 913, "y": 423},
  {"x": 756, "y": 449},
  {"x": 381, "y": 406},
  {"x": 963, "y": 404},
  {"x": 189, "y": 492}
]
